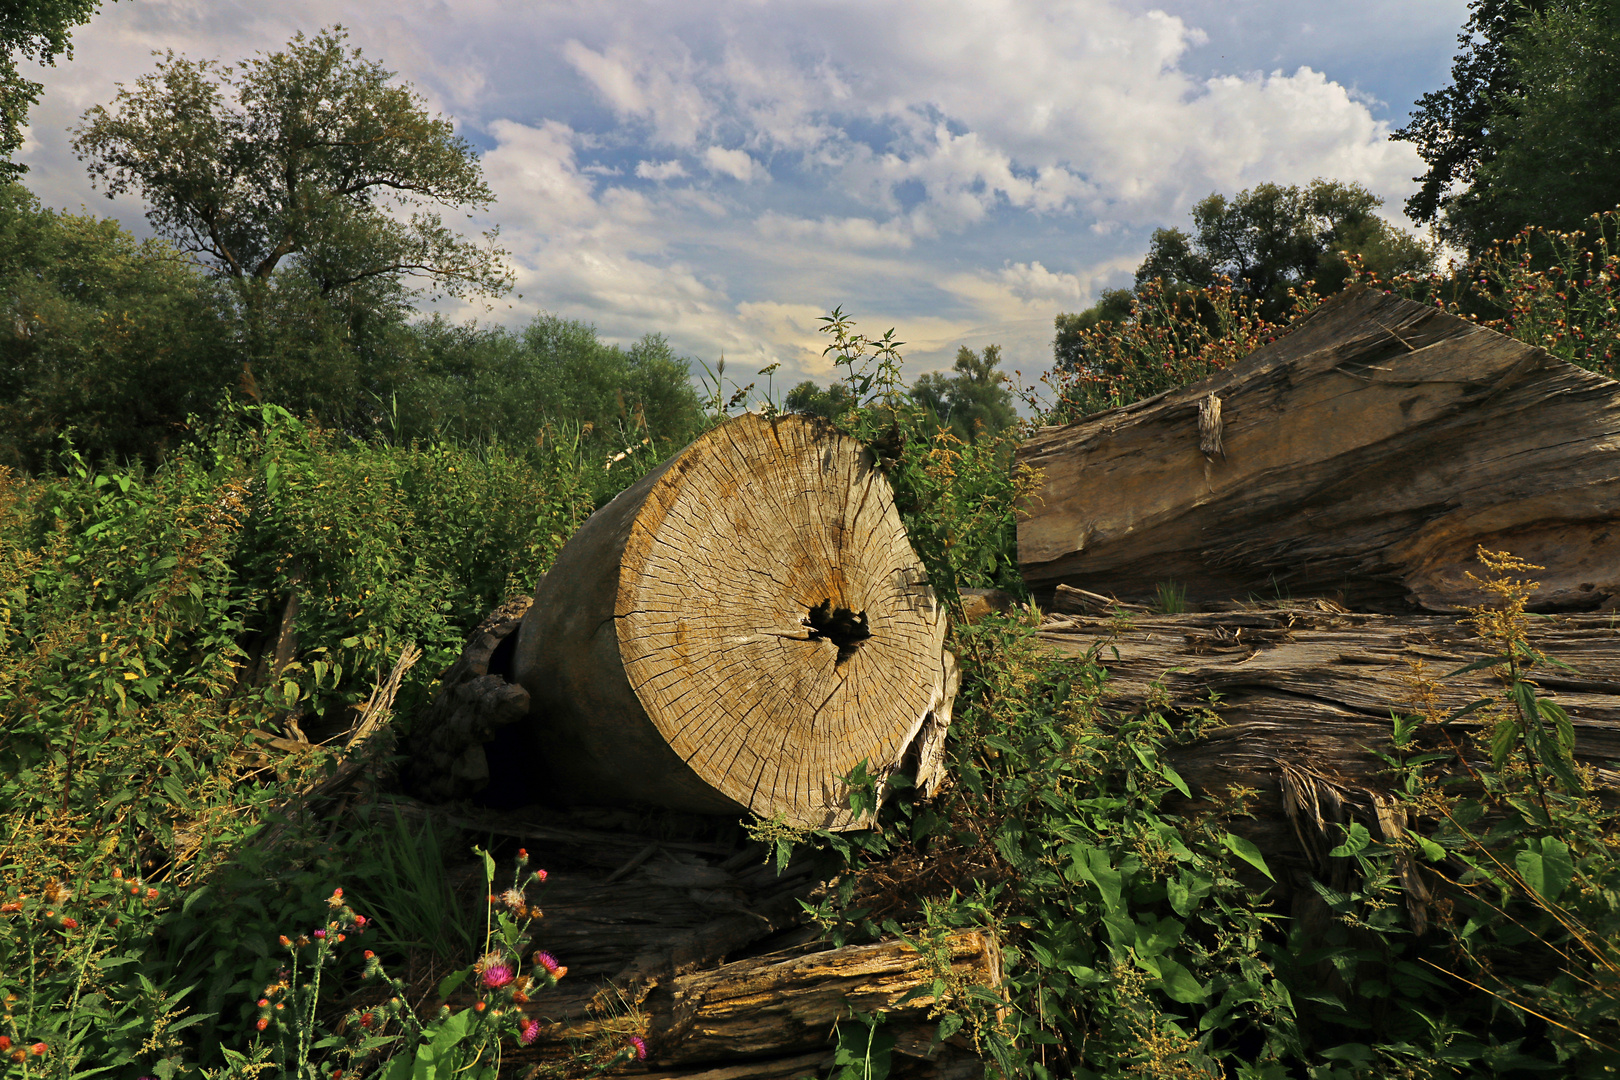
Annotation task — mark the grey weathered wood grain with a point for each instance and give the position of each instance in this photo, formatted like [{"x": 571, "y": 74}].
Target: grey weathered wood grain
[
  {"x": 1312, "y": 690},
  {"x": 1364, "y": 454}
]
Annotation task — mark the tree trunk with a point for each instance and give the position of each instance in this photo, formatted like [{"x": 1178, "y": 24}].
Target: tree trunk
[
  {"x": 772, "y": 1006},
  {"x": 738, "y": 630},
  {"x": 1304, "y": 695},
  {"x": 1363, "y": 455}
]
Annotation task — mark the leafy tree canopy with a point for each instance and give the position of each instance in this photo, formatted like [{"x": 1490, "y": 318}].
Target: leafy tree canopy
[
  {"x": 554, "y": 379},
  {"x": 973, "y": 401},
  {"x": 310, "y": 155},
  {"x": 1550, "y": 144},
  {"x": 116, "y": 338},
  {"x": 1272, "y": 238},
  {"x": 34, "y": 30},
  {"x": 1454, "y": 128},
  {"x": 1265, "y": 241}
]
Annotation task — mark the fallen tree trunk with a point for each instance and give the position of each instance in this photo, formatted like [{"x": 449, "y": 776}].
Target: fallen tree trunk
[
  {"x": 1304, "y": 697},
  {"x": 1363, "y": 455},
  {"x": 738, "y": 630},
  {"x": 774, "y": 1006}
]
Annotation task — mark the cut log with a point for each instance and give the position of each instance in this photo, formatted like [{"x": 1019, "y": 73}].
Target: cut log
[
  {"x": 775, "y": 1005},
  {"x": 738, "y": 630},
  {"x": 1362, "y": 455},
  {"x": 1304, "y": 696}
]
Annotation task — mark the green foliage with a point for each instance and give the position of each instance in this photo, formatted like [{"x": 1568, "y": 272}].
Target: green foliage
[
  {"x": 310, "y": 155},
  {"x": 408, "y": 898},
  {"x": 863, "y": 1050},
  {"x": 1135, "y": 939},
  {"x": 1272, "y": 241},
  {"x": 1524, "y": 136},
  {"x": 1171, "y": 338},
  {"x": 553, "y": 381},
  {"x": 141, "y": 614},
  {"x": 975, "y": 400},
  {"x": 1170, "y": 598},
  {"x": 1554, "y": 290},
  {"x": 118, "y": 338},
  {"x": 35, "y": 30},
  {"x": 1450, "y": 127},
  {"x": 958, "y": 499},
  {"x": 75, "y": 973}
]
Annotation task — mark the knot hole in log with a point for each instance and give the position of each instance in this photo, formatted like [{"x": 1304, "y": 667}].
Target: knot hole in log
[{"x": 839, "y": 625}]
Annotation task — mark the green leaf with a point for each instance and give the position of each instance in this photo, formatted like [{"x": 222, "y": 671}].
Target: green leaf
[
  {"x": 452, "y": 981},
  {"x": 1356, "y": 839},
  {"x": 1178, "y": 983},
  {"x": 1175, "y": 779},
  {"x": 1546, "y": 867},
  {"x": 1502, "y": 737},
  {"x": 1484, "y": 662},
  {"x": 447, "y": 1033},
  {"x": 1250, "y": 854},
  {"x": 1562, "y": 727}
]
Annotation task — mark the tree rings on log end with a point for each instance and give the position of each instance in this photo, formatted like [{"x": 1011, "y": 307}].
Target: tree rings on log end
[{"x": 738, "y": 630}]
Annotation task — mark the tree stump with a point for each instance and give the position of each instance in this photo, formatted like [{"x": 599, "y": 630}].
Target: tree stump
[
  {"x": 738, "y": 630},
  {"x": 1362, "y": 455}
]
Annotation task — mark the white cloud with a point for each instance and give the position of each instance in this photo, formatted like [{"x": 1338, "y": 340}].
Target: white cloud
[
  {"x": 733, "y": 163},
  {"x": 962, "y": 170},
  {"x": 660, "y": 170}
]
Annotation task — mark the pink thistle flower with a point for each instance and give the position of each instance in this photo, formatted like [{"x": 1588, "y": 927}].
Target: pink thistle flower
[
  {"x": 639, "y": 1045},
  {"x": 498, "y": 975},
  {"x": 547, "y": 961},
  {"x": 319, "y": 934},
  {"x": 530, "y": 1032}
]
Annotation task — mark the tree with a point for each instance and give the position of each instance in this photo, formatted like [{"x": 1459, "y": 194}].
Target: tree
[
  {"x": 1270, "y": 239},
  {"x": 1551, "y": 149},
  {"x": 117, "y": 339},
  {"x": 490, "y": 383},
  {"x": 1114, "y": 307},
  {"x": 976, "y": 400},
  {"x": 812, "y": 400},
  {"x": 309, "y": 156},
  {"x": 34, "y": 30},
  {"x": 1454, "y": 128}
]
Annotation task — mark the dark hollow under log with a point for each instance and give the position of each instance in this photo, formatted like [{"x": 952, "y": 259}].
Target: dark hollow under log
[{"x": 1362, "y": 455}]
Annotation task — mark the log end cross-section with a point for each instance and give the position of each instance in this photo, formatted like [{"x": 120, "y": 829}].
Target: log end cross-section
[{"x": 739, "y": 629}]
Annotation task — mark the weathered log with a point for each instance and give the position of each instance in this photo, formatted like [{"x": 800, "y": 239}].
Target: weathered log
[
  {"x": 1305, "y": 695},
  {"x": 775, "y": 1005},
  {"x": 1362, "y": 455},
  {"x": 738, "y": 630}
]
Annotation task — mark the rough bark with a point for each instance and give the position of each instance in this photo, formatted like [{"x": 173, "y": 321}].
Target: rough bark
[
  {"x": 1363, "y": 455},
  {"x": 738, "y": 630},
  {"x": 1304, "y": 696},
  {"x": 776, "y": 1006}
]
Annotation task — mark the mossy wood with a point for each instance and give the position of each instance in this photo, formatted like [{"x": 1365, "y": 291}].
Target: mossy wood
[
  {"x": 1362, "y": 455},
  {"x": 740, "y": 629}
]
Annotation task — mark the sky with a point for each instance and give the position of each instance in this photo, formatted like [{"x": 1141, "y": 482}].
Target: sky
[{"x": 725, "y": 172}]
